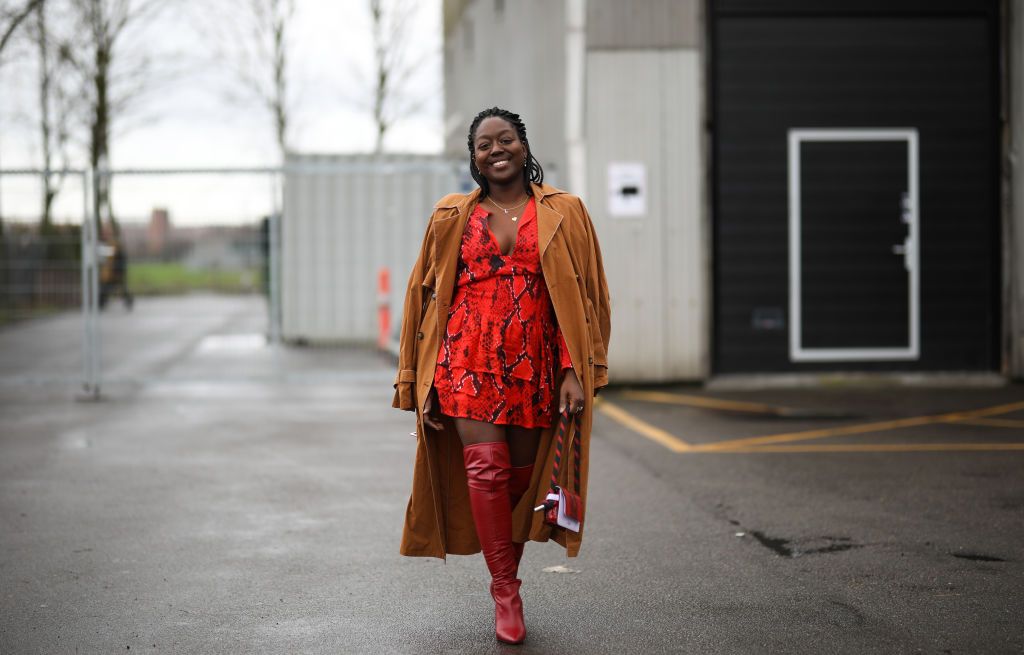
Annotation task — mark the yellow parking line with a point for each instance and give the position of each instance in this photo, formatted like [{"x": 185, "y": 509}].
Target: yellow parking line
[
  {"x": 862, "y": 428},
  {"x": 994, "y": 422},
  {"x": 878, "y": 447},
  {"x": 700, "y": 401},
  {"x": 644, "y": 428},
  {"x": 822, "y": 433},
  {"x": 771, "y": 443}
]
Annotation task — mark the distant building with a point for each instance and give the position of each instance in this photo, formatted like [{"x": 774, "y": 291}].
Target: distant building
[
  {"x": 158, "y": 233},
  {"x": 224, "y": 248},
  {"x": 780, "y": 186}
]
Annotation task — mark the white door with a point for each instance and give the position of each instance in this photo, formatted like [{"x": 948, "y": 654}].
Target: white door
[{"x": 853, "y": 245}]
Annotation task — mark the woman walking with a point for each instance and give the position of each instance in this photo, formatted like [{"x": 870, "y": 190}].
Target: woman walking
[{"x": 506, "y": 324}]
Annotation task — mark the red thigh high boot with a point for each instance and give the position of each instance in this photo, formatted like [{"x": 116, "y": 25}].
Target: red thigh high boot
[
  {"x": 518, "y": 484},
  {"x": 487, "y": 475}
]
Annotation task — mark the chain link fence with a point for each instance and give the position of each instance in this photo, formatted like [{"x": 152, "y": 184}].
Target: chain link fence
[
  {"x": 186, "y": 246},
  {"x": 201, "y": 278}
]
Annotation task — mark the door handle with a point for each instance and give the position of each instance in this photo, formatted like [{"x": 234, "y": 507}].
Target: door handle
[
  {"x": 904, "y": 249},
  {"x": 906, "y": 216}
]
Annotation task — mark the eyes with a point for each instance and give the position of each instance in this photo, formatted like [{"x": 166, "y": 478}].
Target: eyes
[{"x": 505, "y": 141}]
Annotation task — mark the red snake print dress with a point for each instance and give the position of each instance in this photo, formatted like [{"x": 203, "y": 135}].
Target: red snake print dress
[{"x": 498, "y": 355}]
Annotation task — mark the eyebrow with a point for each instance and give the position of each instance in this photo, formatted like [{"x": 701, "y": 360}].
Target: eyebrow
[{"x": 504, "y": 132}]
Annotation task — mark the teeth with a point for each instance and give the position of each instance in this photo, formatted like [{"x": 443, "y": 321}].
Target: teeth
[{"x": 500, "y": 164}]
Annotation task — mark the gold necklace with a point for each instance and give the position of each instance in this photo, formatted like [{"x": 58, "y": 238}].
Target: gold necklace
[{"x": 514, "y": 218}]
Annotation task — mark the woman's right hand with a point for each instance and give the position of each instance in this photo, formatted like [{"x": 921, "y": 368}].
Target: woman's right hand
[{"x": 431, "y": 413}]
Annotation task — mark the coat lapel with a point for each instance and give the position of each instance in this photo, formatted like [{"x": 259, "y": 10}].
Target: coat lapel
[
  {"x": 447, "y": 241},
  {"x": 548, "y": 219}
]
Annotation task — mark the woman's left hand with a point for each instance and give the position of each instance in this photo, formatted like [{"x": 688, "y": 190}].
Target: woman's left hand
[{"x": 570, "y": 396}]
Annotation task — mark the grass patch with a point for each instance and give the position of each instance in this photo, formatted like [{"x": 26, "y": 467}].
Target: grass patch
[{"x": 161, "y": 278}]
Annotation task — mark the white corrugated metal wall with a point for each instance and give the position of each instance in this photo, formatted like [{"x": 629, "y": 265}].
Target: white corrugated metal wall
[
  {"x": 487, "y": 33},
  {"x": 345, "y": 217},
  {"x": 645, "y": 106}
]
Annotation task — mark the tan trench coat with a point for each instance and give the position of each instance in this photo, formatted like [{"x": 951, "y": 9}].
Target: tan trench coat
[{"x": 438, "y": 519}]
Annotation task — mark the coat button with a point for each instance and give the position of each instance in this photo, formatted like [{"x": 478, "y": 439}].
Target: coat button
[
  {"x": 577, "y": 276},
  {"x": 419, "y": 335},
  {"x": 433, "y": 296},
  {"x": 590, "y": 360}
]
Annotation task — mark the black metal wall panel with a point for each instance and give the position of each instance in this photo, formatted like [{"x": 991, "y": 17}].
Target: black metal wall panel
[{"x": 782, "y": 65}]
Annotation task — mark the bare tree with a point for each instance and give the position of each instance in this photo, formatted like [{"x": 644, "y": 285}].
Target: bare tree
[
  {"x": 54, "y": 111},
  {"x": 272, "y": 21},
  {"x": 12, "y": 15},
  {"x": 252, "y": 39},
  {"x": 109, "y": 82},
  {"x": 394, "y": 65}
]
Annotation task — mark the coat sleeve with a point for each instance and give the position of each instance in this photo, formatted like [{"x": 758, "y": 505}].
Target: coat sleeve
[
  {"x": 405, "y": 380},
  {"x": 597, "y": 293}
]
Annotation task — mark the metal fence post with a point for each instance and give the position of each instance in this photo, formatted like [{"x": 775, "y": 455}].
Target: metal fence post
[
  {"x": 84, "y": 237},
  {"x": 90, "y": 292},
  {"x": 94, "y": 284},
  {"x": 97, "y": 336},
  {"x": 274, "y": 267},
  {"x": 274, "y": 256}
]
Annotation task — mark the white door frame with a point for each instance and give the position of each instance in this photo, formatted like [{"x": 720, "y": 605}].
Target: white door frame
[{"x": 909, "y": 248}]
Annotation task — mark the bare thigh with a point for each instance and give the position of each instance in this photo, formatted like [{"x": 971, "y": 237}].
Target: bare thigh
[
  {"x": 522, "y": 442},
  {"x": 471, "y": 432}
]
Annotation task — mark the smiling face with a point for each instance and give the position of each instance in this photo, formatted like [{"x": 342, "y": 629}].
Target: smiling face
[{"x": 497, "y": 151}]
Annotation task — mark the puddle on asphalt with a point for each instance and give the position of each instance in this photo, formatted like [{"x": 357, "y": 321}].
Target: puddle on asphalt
[
  {"x": 232, "y": 343},
  {"x": 560, "y": 568},
  {"x": 978, "y": 557},
  {"x": 807, "y": 546},
  {"x": 74, "y": 440}
]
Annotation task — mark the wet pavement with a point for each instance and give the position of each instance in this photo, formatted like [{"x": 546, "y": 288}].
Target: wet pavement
[{"x": 226, "y": 496}]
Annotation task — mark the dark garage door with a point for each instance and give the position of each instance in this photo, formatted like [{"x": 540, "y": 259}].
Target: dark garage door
[{"x": 855, "y": 186}]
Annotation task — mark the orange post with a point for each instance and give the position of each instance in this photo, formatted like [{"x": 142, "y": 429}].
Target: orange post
[{"x": 383, "y": 307}]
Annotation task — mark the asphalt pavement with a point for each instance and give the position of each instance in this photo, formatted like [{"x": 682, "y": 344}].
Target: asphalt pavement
[{"x": 226, "y": 496}]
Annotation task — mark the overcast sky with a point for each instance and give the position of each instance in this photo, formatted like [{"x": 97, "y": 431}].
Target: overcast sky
[{"x": 189, "y": 120}]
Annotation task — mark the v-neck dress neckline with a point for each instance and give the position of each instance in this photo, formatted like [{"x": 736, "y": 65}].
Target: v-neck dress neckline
[{"x": 529, "y": 213}]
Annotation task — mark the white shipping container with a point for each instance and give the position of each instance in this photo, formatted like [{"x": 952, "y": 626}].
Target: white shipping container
[{"x": 347, "y": 217}]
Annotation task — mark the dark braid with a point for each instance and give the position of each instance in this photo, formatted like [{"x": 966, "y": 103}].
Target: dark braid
[{"x": 532, "y": 172}]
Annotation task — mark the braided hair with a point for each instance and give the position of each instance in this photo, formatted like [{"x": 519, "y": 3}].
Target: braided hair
[{"x": 532, "y": 172}]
